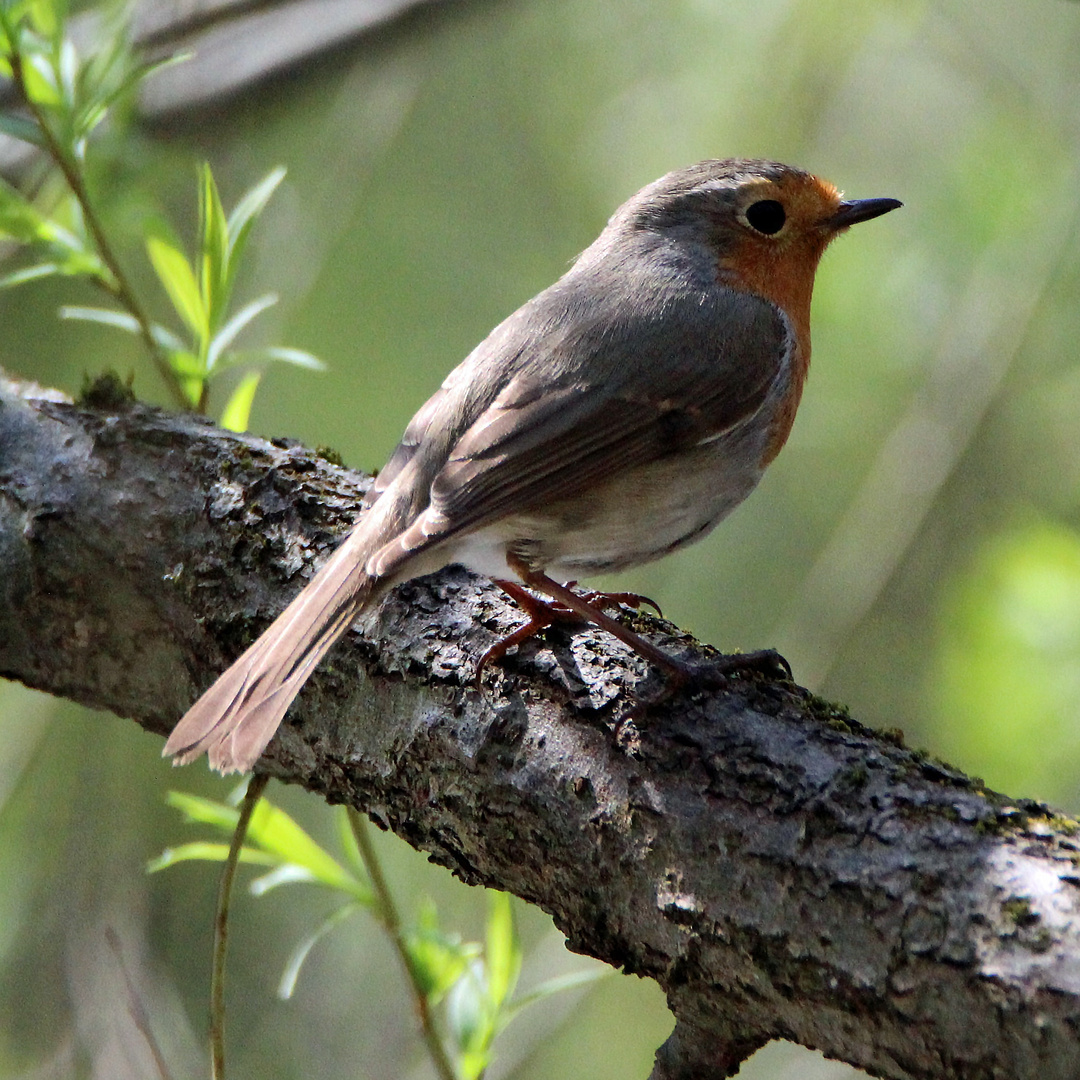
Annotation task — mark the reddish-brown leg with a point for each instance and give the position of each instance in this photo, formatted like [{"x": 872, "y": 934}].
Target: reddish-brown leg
[
  {"x": 614, "y": 599},
  {"x": 541, "y": 615},
  {"x": 679, "y": 672}
]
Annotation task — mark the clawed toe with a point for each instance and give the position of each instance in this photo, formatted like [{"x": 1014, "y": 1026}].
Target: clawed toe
[
  {"x": 767, "y": 662},
  {"x": 712, "y": 673}
]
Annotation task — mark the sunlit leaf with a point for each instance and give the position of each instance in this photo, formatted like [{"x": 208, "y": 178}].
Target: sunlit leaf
[
  {"x": 198, "y": 810},
  {"x": 121, "y": 320},
  {"x": 213, "y": 252},
  {"x": 292, "y": 968},
  {"x": 39, "y": 78},
  {"x": 243, "y": 216},
  {"x": 470, "y": 1018},
  {"x": 176, "y": 275},
  {"x": 502, "y": 954},
  {"x": 186, "y": 365},
  {"x": 229, "y": 332},
  {"x": 28, "y": 273},
  {"x": 237, "y": 412},
  {"x": 573, "y": 980},
  {"x": 20, "y": 220},
  {"x": 438, "y": 959},
  {"x": 282, "y": 874},
  {"x": 78, "y": 262},
  {"x": 298, "y": 357},
  {"x": 47, "y": 17},
  {"x": 67, "y": 71},
  {"x": 193, "y": 390},
  {"x": 252, "y": 204},
  {"x": 275, "y": 831},
  {"x": 205, "y": 852}
]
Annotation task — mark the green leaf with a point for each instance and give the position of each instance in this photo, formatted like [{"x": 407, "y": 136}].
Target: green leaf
[
  {"x": 121, "y": 320},
  {"x": 438, "y": 959},
  {"x": 299, "y": 357},
  {"x": 193, "y": 390},
  {"x": 243, "y": 216},
  {"x": 292, "y": 968},
  {"x": 29, "y": 273},
  {"x": 19, "y": 127},
  {"x": 503, "y": 952},
  {"x": 39, "y": 78},
  {"x": 178, "y": 278},
  {"x": 347, "y": 839},
  {"x": 229, "y": 332},
  {"x": 200, "y": 811},
  {"x": 205, "y": 852},
  {"x": 251, "y": 205},
  {"x": 214, "y": 278},
  {"x": 237, "y": 411},
  {"x": 470, "y": 1020},
  {"x": 187, "y": 365},
  {"x": 47, "y": 17},
  {"x": 556, "y": 985},
  {"x": 21, "y": 221},
  {"x": 283, "y": 874},
  {"x": 97, "y": 109},
  {"x": 67, "y": 74},
  {"x": 274, "y": 831},
  {"x": 164, "y": 337}
]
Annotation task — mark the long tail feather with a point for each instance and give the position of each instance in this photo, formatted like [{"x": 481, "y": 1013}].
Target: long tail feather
[{"x": 235, "y": 719}]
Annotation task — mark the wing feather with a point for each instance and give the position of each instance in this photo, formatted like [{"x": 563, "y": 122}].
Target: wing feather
[{"x": 625, "y": 399}]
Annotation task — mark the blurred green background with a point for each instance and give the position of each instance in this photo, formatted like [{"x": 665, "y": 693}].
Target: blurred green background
[{"x": 914, "y": 551}]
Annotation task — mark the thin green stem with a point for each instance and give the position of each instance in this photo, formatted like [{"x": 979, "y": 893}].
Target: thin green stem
[
  {"x": 391, "y": 921},
  {"x": 119, "y": 288},
  {"x": 255, "y": 789}
]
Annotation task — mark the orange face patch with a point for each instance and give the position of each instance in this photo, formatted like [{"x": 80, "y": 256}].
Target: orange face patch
[{"x": 781, "y": 267}]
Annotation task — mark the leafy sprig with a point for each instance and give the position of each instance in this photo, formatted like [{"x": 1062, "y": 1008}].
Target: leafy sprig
[
  {"x": 65, "y": 96},
  {"x": 465, "y": 992}
]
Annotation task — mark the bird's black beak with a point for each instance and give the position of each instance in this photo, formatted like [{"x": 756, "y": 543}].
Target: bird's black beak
[{"x": 853, "y": 211}]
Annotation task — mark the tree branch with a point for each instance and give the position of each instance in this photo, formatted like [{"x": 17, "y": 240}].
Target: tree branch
[{"x": 780, "y": 870}]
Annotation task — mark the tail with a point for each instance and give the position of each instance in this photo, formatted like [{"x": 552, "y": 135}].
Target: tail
[{"x": 235, "y": 719}]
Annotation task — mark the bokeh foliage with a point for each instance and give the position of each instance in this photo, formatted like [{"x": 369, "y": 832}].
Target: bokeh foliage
[{"x": 914, "y": 550}]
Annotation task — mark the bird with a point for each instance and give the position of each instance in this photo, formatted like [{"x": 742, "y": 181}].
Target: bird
[{"x": 617, "y": 416}]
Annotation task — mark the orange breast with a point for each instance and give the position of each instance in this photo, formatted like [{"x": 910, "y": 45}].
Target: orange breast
[{"x": 784, "y": 275}]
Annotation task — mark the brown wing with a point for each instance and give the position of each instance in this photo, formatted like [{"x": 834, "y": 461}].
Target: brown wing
[{"x": 644, "y": 392}]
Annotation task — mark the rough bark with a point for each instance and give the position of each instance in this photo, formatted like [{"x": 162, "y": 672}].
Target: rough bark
[{"x": 779, "y": 869}]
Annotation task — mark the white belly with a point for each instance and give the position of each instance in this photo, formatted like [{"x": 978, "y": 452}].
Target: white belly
[{"x": 636, "y": 517}]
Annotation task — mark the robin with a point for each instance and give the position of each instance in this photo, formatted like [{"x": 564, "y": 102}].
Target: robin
[{"x": 615, "y": 417}]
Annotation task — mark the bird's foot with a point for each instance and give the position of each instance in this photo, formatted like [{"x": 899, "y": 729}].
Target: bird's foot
[
  {"x": 707, "y": 675},
  {"x": 604, "y": 600},
  {"x": 545, "y": 613},
  {"x": 541, "y": 613}
]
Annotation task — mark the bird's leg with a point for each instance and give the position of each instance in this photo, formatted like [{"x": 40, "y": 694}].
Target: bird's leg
[
  {"x": 602, "y": 599},
  {"x": 543, "y": 614},
  {"x": 678, "y": 671}
]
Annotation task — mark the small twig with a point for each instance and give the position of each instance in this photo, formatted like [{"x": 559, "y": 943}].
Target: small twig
[
  {"x": 254, "y": 792},
  {"x": 136, "y": 1009},
  {"x": 120, "y": 289},
  {"x": 391, "y": 920}
]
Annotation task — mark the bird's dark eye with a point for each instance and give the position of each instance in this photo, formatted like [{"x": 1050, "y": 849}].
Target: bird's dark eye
[{"x": 767, "y": 216}]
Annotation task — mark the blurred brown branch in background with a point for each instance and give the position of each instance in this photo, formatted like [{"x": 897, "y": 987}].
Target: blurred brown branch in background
[
  {"x": 231, "y": 45},
  {"x": 781, "y": 871}
]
